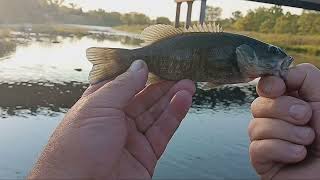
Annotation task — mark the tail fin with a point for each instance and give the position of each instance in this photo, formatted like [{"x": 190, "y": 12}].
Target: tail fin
[{"x": 108, "y": 63}]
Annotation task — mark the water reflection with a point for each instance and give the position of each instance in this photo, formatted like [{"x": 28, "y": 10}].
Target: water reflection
[
  {"x": 38, "y": 98},
  {"x": 46, "y": 98},
  {"x": 224, "y": 97}
]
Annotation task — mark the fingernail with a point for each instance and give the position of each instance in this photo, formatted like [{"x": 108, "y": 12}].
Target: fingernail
[
  {"x": 136, "y": 66},
  {"x": 298, "y": 111},
  {"x": 303, "y": 133},
  {"x": 297, "y": 150},
  {"x": 268, "y": 88}
]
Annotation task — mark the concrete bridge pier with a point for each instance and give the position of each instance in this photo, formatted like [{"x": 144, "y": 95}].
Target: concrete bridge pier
[
  {"x": 189, "y": 13},
  {"x": 177, "y": 22}
]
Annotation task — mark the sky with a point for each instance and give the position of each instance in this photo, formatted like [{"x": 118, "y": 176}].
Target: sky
[{"x": 167, "y": 8}]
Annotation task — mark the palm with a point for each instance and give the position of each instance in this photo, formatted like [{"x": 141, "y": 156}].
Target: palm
[{"x": 152, "y": 117}]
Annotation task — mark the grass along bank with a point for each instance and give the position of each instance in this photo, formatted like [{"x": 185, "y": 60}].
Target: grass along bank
[
  {"x": 4, "y": 33},
  {"x": 131, "y": 28}
]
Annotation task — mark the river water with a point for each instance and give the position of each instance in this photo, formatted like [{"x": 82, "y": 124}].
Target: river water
[{"x": 40, "y": 80}]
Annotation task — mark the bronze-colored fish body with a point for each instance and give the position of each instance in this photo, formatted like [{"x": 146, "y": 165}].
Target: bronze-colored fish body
[
  {"x": 202, "y": 57},
  {"x": 197, "y": 54}
]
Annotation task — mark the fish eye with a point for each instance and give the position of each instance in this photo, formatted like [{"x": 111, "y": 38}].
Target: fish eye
[{"x": 273, "y": 50}]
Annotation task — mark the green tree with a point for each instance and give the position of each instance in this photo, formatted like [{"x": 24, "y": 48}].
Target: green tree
[
  {"x": 236, "y": 16},
  {"x": 135, "y": 18},
  {"x": 163, "y": 20},
  {"x": 287, "y": 24},
  {"x": 261, "y": 19},
  {"x": 267, "y": 26},
  {"x": 309, "y": 22},
  {"x": 213, "y": 13}
]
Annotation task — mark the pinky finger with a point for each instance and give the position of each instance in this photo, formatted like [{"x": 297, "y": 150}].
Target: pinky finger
[{"x": 265, "y": 154}]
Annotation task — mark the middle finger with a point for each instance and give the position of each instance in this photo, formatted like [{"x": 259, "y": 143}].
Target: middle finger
[{"x": 287, "y": 108}]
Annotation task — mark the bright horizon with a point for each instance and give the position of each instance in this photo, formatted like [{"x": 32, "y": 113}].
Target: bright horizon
[{"x": 167, "y": 8}]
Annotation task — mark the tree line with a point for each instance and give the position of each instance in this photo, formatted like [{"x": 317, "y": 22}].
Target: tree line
[
  {"x": 57, "y": 11},
  {"x": 265, "y": 20},
  {"x": 274, "y": 20}
]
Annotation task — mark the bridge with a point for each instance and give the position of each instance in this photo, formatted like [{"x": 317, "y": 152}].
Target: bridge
[{"x": 305, "y": 4}]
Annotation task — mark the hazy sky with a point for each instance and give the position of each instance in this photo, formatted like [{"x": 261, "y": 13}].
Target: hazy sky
[{"x": 156, "y": 8}]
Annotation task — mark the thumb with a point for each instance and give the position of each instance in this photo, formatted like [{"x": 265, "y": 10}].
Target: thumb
[
  {"x": 118, "y": 93},
  {"x": 304, "y": 78}
]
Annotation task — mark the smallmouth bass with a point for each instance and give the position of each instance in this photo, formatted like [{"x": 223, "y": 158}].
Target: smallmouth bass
[{"x": 202, "y": 53}]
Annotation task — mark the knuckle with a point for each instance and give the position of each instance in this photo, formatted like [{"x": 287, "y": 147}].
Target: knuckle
[
  {"x": 256, "y": 105},
  {"x": 260, "y": 106},
  {"x": 251, "y": 128},
  {"x": 123, "y": 78},
  {"x": 309, "y": 66},
  {"x": 254, "y": 130},
  {"x": 255, "y": 150},
  {"x": 260, "y": 129}
]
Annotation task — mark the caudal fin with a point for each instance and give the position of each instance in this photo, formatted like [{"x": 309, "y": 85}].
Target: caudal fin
[{"x": 108, "y": 63}]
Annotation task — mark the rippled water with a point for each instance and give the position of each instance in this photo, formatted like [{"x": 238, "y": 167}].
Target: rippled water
[{"x": 40, "y": 80}]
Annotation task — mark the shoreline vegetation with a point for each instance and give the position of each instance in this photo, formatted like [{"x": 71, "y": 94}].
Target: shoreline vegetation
[{"x": 299, "y": 35}]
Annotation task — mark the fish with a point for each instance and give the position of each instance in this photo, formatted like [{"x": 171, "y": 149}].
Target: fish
[{"x": 202, "y": 53}]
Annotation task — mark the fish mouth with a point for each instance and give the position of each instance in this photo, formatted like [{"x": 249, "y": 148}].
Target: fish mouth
[{"x": 285, "y": 65}]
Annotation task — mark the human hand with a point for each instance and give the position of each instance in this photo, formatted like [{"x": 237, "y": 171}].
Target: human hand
[
  {"x": 117, "y": 130},
  {"x": 286, "y": 126}
]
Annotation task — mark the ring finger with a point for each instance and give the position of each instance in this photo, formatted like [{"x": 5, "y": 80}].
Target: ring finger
[{"x": 267, "y": 128}]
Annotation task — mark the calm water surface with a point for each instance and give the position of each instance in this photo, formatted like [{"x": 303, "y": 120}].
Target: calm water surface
[{"x": 40, "y": 80}]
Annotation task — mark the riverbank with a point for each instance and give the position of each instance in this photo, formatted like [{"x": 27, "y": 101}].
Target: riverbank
[{"x": 53, "y": 29}]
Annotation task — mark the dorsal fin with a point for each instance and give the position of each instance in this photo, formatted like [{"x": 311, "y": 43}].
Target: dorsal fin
[
  {"x": 210, "y": 27},
  {"x": 160, "y": 31}
]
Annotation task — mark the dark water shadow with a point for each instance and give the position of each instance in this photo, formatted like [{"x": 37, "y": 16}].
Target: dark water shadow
[
  {"x": 29, "y": 98},
  {"x": 33, "y": 98},
  {"x": 225, "y": 97}
]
